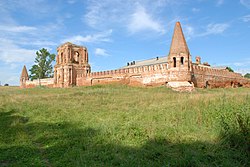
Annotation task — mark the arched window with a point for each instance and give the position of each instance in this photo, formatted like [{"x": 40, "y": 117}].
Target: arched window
[
  {"x": 61, "y": 57},
  {"x": 174, "y": 59},
  {"x": 182, "y": 60},
  {"x": 70, "y": 77},
  {"x": 86, "y": 55},
  {"x": 76, "y": 57}
]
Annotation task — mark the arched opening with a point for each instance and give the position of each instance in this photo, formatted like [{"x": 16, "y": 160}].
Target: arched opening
[
  {"x": 86, "y": 56},
  {"x": 182, "y": 60},
  {"x": 62, "y": 57},
  {"x": 207, "y": 84},
  {"x": 76, "y": 57},
  {"x": 174, "y": 59},
  {"x": 70, "y": 76},
  {"x": 232, "y": 84}
]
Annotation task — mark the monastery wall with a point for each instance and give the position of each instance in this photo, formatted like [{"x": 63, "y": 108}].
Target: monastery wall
[
  {"x": 48, "y": 82},
  {"x": 176, "y": 71},
  {"x": 206, "y": 77},
  {"x": 151, "y": 75},
  {"x": 155, "y": 75}
]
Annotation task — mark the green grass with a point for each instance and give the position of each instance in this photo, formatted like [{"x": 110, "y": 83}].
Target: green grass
[{"x": 124, "y": 126}]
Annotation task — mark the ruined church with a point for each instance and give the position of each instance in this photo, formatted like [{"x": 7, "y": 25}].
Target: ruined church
[{"x": 175, "y": 70}]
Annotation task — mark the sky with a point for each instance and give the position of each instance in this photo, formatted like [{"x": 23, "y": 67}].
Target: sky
[{"x": 120, "y": 31}]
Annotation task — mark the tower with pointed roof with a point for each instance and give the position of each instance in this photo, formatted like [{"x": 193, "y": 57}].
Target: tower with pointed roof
[
  {"x": 24, "y": 77},
  {"x": 179, "y": 58},
  {"x": 71, "y": 62}
]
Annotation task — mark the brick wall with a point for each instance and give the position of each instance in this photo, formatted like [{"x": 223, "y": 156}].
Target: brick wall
[
  {"x": 49, "y": 82},
  {"x": 138, "y": 76},
  {"x": 214, "y": 78},
  {"x": 154, "y": 75}
]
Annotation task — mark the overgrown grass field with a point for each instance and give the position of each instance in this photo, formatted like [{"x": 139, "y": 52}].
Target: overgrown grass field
[{"x": 116, "y": 125}]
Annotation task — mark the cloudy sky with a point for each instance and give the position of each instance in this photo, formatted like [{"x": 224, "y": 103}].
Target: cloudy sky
[{"x": 119, "y": 31}]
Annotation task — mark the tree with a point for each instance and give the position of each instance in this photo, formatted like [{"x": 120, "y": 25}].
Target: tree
[
  {"x": 230, "y": 69},
  {"x": 247, "y": 75},
  {"x": 43, "y": 65}
]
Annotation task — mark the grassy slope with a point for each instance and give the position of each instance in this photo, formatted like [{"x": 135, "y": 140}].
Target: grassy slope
[{"x": 123, "y": 126}]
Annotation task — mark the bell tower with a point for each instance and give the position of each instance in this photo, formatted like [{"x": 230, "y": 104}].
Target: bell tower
[
  {"x": 179, "y": 58},
  {"x": 24, "y": 77},
  {"x": 71, "y": 62}
]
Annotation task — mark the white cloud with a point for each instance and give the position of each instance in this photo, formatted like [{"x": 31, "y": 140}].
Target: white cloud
[
  {"x": 37, "y": 8},
  {"x": 99, "y": 37},
  {"x": 68, "y": 15},
  {"x": 246, "y": 3},
  {"x": 196, "y": 10},
  {"x": 242, "y": 64},
  {"x": 28, "y": 35},
  {"x": 11, "y": 53},
  {"x": 210, "y": 29},
  {"x": 93, "y": 16},
  {"x": 71, "y": 1},
  {"x": 13, "y": 66},
  {"x": 40, "y": 43},
  {"x": 217, "y": 28},
  {"x": 140, "y": 20},
  {"x": 243, "y": 71},
  {"x": 121, "y": 14},
  {"x": 11, "y": 78},
  {"x": 12, "y": 81},
  {"x": 17, "y": 29},
  {"x": 101, "y": 52},
  {"x": 213, "y": 29},
  {"x": 246, "y": 18},
  {"x": 188, "y": 31},
  {"x": 220, "y": 2}
]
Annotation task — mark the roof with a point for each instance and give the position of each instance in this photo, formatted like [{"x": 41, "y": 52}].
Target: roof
[
  {"x": 24, "y": 73},
  {"x": 220, "y": 67},
  {"x": 178, "y": 44},
  {"x": 152, "y": 61}
]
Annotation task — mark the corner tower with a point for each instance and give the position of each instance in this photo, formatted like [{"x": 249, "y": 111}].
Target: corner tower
[
  {"x": 179, "y": 58},
  {"x": 71, "y": 62},
  {"x": 24, "y": 77}
]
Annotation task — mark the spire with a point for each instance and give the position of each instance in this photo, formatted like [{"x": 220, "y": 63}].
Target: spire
[
  {"x": 24, "y": 73},
  {"x": 178, "y": 44}
]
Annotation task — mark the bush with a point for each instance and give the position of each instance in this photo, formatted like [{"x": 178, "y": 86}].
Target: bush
[{"x": 247, "y": 75}]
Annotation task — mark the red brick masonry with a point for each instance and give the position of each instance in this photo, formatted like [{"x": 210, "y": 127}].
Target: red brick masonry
[{"x": 72, "y": 69}]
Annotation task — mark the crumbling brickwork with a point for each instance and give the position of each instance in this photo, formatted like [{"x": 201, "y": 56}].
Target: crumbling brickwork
[
  {"x": 71, "y": 62},
  {"x": 176, "y": 70}
]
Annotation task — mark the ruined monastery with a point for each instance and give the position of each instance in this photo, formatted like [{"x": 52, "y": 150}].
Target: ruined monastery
[{"x": 175, "y": 70}]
